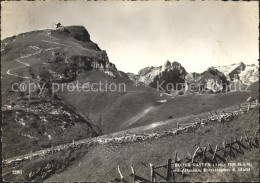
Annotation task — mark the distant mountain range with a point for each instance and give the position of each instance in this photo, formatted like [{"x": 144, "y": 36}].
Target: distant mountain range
[{"x": 175, "y": 73}]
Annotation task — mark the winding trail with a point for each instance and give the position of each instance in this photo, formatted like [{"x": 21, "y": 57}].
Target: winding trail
[
  {"x": 25, "y": 65},
  {"x": 11, "y": 71}
]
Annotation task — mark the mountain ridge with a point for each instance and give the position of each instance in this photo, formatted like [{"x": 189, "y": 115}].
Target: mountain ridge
[{"x": 247, "y": 74}]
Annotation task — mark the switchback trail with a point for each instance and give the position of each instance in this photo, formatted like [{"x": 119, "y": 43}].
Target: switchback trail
[{"x": 11, "y": 71}]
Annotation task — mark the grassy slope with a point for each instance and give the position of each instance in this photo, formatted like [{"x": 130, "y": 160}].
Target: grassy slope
[
  {"x": 63, "y": 127},
  {"x": 120, "y": 111},
  {"x": 21, "y": 46},
  {"x": 13, "y": 143},
  {"x": 110, "y": 109},
  {"x": 100, "y": 162},
  {"x": 254, "y": 90}
]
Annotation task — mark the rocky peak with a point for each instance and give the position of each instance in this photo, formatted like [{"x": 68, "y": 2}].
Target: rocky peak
[
  {"x": 167, "y": 65},
  {"x": 240, "y": 72},
  {"x": 78, "y": 32},
  {"x": 145, "y": 70},
  {"x": 148, "y": 74}
]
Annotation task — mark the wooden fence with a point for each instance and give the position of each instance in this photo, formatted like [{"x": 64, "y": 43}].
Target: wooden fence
[
  {"x": 201, "y": 155},
  {"x": 216, "y": 154},
  {"x": 224, "y": 116}
]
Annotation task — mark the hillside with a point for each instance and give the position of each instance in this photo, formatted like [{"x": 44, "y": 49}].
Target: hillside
[
  {"x": 70, "y": 58},
  {"x": 35, "y": 119},
  {"x": 105, "y": 158},
  {"x": 137, "y": 106},
  {"x": 39, "y": 124},
  {"x": 254, "y": 90},
  {"x": 35, "y": 63}
]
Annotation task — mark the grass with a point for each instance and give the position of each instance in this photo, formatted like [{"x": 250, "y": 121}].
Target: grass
[
  {"x": 44, "y": 167},
  {"x": 114, "y": 111},
  {"x": 111, "y": 111},
  {"x": 42, "y": 127},
  {"x": 76, "y": 128},
  {"x": 100, "y": 162}
]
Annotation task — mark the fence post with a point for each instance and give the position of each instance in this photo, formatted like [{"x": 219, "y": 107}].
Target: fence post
[
  {"x": 224, "y": 148},
  {"x": 248, "y": 107},
  {"x": 248, "y": 140},
  {"x": 52, "y": 149},
  {"x": 176, "y": 157},
  {"x": 230, "y": 146},
  {"x": 210, "y": 148},
  {"x": 192, "y": 160},
  {"x": 169, "y": 169},
  {"x": 204, "y": 154},
  {"x": 133, "y": 171},
  {"x": 255, "y": 137},
  {"x": 173, "y": 173},
  {"x": 177, "y": 128},
  {"x": 215, "y": 152},
  {"x": 121, "y": 176},
  {"x": 152, "y": 173}
]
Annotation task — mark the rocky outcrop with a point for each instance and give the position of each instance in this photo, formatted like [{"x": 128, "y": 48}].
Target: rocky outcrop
[
  {"x": 169, "y": 73},
  {"x": 250, "y": 74},
  {"x": 171, "y": 77},
  {"x": 78, "y": 32},
  {"x": 192, "y": 77},
  {"x": 147, "y": 74},
  {"x": 132, "y": 76},
  {"x": 72, "y": 67},
  {"x": 240, "y": 72},
  {"x": 210, "y": 81}
]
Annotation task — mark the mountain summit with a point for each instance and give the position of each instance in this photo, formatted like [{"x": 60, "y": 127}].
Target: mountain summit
[
  {"x": 247, "y": 74},
  {"x": 170, "y": 72}
]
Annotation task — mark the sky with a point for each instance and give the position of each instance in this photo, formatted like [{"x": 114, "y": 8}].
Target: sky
[{"x": 139, "y": 34}]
